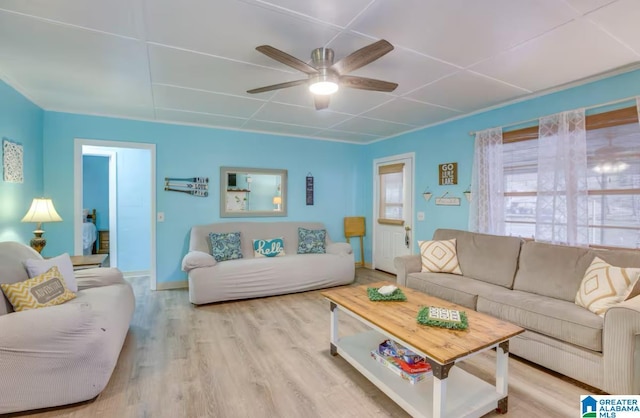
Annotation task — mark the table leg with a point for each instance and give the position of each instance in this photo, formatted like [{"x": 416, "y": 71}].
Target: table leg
[
  {"x": 502, "y": 375},
  {"x": 440, "y": 374},
  {"x": 334, "y": 328}
]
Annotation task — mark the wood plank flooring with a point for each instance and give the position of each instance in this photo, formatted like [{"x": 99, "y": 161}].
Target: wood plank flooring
[{"x": 270, "y": 357}]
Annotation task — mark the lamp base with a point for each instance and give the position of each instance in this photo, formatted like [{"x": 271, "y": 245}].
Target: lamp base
[{"x": 37, "y": 242}]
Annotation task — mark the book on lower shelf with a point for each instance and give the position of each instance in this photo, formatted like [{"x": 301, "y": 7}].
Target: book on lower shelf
[{"x": 391, "y": 363}]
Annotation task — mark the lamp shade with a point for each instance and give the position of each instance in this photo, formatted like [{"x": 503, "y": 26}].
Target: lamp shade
[
  {"x": 277, "y": 200},
  {"x": 42, "y": 210}
]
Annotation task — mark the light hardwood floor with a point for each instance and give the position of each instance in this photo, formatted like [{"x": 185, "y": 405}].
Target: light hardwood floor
[{"x": 270, "y": 357}]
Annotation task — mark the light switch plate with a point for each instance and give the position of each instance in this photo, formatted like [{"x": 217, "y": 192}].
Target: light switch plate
[
  {"x": 160, "y": 216},
  {"x": 421, "y": 216}
]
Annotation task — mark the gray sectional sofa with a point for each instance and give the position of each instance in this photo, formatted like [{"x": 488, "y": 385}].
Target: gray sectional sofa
[
  {"x": 61, "y": 354},
  {"x": 250, "y": 277},
  {"x": 534, "y": 285}
]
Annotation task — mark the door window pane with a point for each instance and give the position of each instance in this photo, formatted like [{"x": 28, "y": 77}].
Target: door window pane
[{"x": 391, "y": 195}]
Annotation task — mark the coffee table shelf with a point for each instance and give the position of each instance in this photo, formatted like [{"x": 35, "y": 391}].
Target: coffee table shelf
[{"x": 467, "y": 395}]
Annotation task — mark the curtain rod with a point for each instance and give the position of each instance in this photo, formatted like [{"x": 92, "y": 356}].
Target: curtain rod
[{"x": 472, "y": 133}]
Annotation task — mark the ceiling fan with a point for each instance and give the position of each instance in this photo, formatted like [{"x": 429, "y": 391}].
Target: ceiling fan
[{"x": 324, "y": 76}]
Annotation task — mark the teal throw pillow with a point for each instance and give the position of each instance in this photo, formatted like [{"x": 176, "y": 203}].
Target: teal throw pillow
[
  {"x": 311, "y": 241},
  {"x": 225, "y": 245},
  {"x": 268, "y": 247}
]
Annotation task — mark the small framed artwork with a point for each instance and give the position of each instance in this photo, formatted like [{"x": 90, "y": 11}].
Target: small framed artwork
[{"x": 12, "y": 159}]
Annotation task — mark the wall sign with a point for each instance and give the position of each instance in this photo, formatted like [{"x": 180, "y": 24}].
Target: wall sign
[
  {"x": 448, "y": 174},
  {"x": 309, "y": 189}
]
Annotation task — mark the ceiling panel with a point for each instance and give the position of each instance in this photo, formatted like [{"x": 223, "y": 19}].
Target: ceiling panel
[
  {"x": 622, "y": 20},
  {"x": 461, "y": 32},
  {"x": 576, "y": 50},
  {"x": 467, "y": 91},
  {"x": 67, "y": 65},
  {"x": 407, "y": 68},
  {"x": 201, "y": 101},
  {"x": 121, "y": 17},
  {"x": 279, "y": 128},
  {"x": 233, "y": 29},
  {"x": 372, "y": 126},
  {"x": 346, "y": 100},
  {"x": 410, "y": 112},
  {"x": 585, "y": 6},
  {"x": 188, "y": 69},
  {"x": 276, "y": 112},
  {"x": 337, "y": 12},
  {"x": 198, "y": 118}
]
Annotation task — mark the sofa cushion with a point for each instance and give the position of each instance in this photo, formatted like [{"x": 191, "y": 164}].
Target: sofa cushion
[
  {"x": 46, "y": 289},
  {"x": 555, "y": 318},
  {"x": 490, "y": 258},
  {"x": 225, "y": 245},
  {"x": 311, "y": 241},
  {"x": 461, "y": 290},
  {"x": 12, "y": 255},
  {"x": 63, "y": 262},
  {"x": 604, "y": 286},
  {"x": 439, "y": 256},
  {"x": 273, "y": 247},
  {"x": 552, "y": 270}
]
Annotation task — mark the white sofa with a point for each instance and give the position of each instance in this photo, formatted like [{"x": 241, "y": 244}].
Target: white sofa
[
  {"x": 61, "y": 354},
  {"x": 249, "y": 277}
]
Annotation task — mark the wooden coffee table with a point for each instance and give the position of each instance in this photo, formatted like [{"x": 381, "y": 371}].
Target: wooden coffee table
[{"x": 451, "y": 392}]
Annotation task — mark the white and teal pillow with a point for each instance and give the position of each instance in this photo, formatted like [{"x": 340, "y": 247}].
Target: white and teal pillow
[
  {"x": 225, "y": 245},
  {"x": 311, "y": 241},
  {"x": 273, "y": 247}
]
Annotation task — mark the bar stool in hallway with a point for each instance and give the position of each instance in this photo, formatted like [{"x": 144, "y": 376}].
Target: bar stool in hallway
[{"x": 354, "y": 227}]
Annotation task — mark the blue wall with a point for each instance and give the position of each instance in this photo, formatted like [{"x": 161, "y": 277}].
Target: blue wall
[
  {"x": 95, "y": 188},
  {"x": 21, "y": 121},
  {"x": 186, "y": 151},
  {"x": 451, "y": 142}
]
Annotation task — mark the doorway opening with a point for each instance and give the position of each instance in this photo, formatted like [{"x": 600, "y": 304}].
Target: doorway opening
[{"x": 126, "y": 224}]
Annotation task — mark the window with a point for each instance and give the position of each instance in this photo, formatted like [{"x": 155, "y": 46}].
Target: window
[
  {"x": 391, "y": 194},
  {"x": 613, "y": 164}
]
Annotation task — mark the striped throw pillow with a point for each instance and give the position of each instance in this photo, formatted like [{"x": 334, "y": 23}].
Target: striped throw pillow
[
  {"x": 604, "y": 286},
  {"x": 439, "y": 256},
  {"x": 46, "y": 289}
]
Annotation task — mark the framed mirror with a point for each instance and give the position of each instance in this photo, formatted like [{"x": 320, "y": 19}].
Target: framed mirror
[{"x": 250, "y": 192}]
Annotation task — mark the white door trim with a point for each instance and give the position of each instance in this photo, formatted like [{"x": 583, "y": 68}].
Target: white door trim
[
  {"x": 411, "y": 156},
  {"x": 77, "y": 196}
]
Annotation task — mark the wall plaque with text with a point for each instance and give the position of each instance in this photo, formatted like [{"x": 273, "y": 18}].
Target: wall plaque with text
[{"x": 448, "y": 174}]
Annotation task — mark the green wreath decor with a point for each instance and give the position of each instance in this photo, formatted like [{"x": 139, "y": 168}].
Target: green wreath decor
[
  {"x": 425, "y": 319},
  {"x": 375, "y": 296}
]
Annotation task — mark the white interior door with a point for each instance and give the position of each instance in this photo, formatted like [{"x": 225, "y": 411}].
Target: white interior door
[{"x": 393, "y": 210}]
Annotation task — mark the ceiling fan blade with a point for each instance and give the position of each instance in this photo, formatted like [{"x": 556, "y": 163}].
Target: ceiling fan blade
[
  {"x": 286, "y": 59},
  {"x": 277, "y": 86},
  {"x": 321, "y": 101},
  {"x": 364, "y": 83},
  {"x": 362, "y": 57}
]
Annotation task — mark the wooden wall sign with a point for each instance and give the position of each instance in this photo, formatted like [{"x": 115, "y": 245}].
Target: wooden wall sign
[
  {"x": 448, "y": 174},
  {"x": 309, "y": 190}
]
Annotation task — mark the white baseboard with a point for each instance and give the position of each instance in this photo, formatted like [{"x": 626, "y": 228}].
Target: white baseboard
[
  {"x": 131, "y": 274},
  {"x": 179, "y": 284},
  {"x": 366, "y": 265}
]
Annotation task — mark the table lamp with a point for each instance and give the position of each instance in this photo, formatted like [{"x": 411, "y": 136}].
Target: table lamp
[
  {"x": 277, "y": 200},
  {"x": 41, "y": 210}
]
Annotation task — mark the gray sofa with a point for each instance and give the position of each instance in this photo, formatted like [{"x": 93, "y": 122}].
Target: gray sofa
[
  {"x": 249, "y": 277},
  {"x": 61, "y": 354},
  {"x": 534, "y": 285}
]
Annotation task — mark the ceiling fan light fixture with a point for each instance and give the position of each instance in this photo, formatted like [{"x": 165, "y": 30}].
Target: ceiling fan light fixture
[{"x": 323, "y": 87}]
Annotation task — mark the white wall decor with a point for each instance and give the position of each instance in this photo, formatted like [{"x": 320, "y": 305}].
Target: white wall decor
[{"x": 12, "y": 159}]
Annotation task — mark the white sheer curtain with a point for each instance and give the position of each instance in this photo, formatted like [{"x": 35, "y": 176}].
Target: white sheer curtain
[
  {"x": 487, "y": 184},
  {"x": 562, "y": 204}
]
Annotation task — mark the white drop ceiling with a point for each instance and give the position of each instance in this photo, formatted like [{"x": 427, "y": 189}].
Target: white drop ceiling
[{"x": 191, "y": 61}]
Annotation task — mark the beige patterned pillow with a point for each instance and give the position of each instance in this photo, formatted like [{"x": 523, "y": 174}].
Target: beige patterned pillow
[
  {"x": 439, "y": 256},
  {"x": 604, "y": 286},
  {"x": 47, "y": 289}
]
